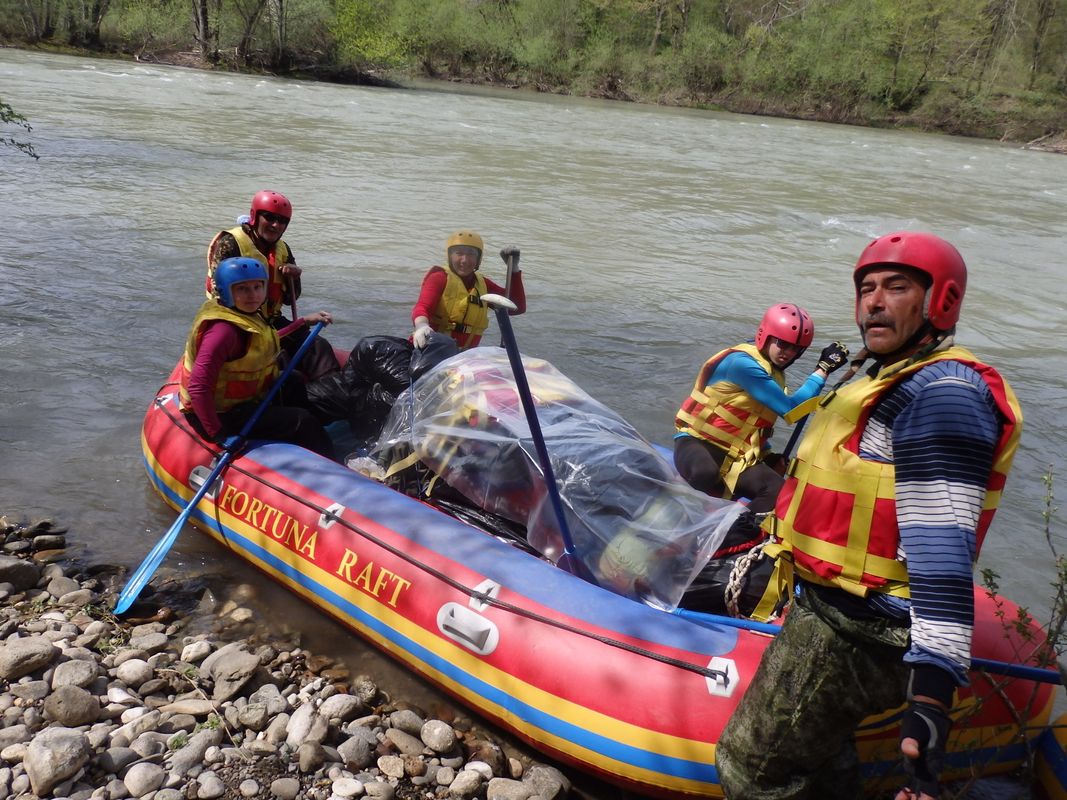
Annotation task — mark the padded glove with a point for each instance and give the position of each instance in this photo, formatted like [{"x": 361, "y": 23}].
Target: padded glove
[
  {"x": 421, "y": 336},
  {"x": 834, "y": 356},
  {"x": 229, "y": 443},
  {"x": 928, "y": 725}
]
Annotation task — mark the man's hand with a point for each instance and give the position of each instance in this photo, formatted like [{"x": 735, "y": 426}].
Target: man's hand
[
  {"x": 923, "y": 735},
  {"x": 291, "y": 270},
  {"x": 318, "y": 316},
  {"x": 421, "y": 336},
  {"x": 834, "y": 356}
]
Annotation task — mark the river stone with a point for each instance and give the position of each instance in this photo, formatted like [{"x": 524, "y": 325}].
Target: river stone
[
  {"x": 211, "y": 786},
  {"x": 192, "y": 754},
  {"x": 133, "y": 672},
  {"x": 196, "y": 651},
  {"x": 61, "y": 585},
  {"x": 344, "y": 707},
  {"x": 31, "y": 690},
  {"x": 306, "y": 725},
  {"x": 379, "y": 790},
  {"x": 77, "y": 672},
  {"x": 77, "y": 598},
  {"x": 254, "y": 716},
  {"x": 195, "y": 706},
  {"x": 507, "y": 789},
  {"x": 122, "y": 736},
  {"x": 20, "y": 657},
  {"x": 115, "y": 790},
  {"x": 144, "y": 777},
  {"x": 150, "y": 642},
  {"x": 115, "y": 759},
  {"x": 547, "y": 781},
  {"x": 407, "y": 721},
  {"x": 438, "y": 736},
  {"x": 347, "y": 787},
  {"x": 269, "y": 695},
  {"x": 405, "y": 742},
  {"x": 391, "y": 766},
  {"x": 490, "y": 753},
  {"x": 285, "y": 788},
  {"x": 230, "y": 668},
  {"x": 21, "y": 574},
  {"x": 310, "y": 756},
  {"x": 355, "y": 753},
  {"x": 466, "y": 784},
  {"x": 54, "y": 755},
  {"x": 72, "y": 706}
]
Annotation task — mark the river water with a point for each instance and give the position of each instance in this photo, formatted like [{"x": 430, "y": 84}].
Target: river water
[{"x": 650, "y": 239}]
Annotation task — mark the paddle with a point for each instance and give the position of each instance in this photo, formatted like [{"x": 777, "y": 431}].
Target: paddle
[
  {"x": 147, "y": 568},
  {"x": 1024, "y": 671},
  {"x": 292, "y": 296},
  {"x": 510, "y": 254},
  {"x": 569, "y": 561},
  {"x": 803, "y": 411}
]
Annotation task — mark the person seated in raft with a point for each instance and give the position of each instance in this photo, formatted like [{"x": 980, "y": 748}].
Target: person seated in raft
[
  {"x": 450, "y": 298},
  {"x": 231, "y": 360},
  {"x": 725, "y": 423},
  {"x": 259, "y": 236}
]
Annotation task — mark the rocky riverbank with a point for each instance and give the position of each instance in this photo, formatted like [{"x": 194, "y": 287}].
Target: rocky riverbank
[{"x": 157, "y": 707}]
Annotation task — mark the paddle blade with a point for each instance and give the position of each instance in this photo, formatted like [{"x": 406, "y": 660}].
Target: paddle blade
[{"x": 148, "y": 567}]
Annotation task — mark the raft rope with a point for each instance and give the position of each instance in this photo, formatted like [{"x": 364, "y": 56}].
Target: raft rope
[
  {"x": 738, "y": 574},
  {"x": 715, "y": 674}
]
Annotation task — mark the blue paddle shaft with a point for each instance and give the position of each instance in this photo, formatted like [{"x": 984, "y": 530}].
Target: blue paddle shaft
[
  {"x": 155, "y": 557},
  {"x": 526, "y": 398},
  {"x": 1024, "y": 671}
]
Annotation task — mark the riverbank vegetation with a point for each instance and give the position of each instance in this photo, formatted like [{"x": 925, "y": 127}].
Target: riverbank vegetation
[{"x": 990, "y": 68}]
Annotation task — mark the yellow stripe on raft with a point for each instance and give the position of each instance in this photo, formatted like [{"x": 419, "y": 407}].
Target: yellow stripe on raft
[{"x": 579, "y": 716}]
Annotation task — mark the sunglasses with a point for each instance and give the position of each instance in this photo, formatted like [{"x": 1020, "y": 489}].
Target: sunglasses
[{"x": 277, "y": 219}]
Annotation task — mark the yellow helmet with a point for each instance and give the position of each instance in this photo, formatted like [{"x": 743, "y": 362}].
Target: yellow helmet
[{"x": 464, "y": 239}]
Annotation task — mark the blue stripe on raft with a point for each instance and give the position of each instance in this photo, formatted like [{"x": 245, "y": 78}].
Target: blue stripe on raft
[
  {"x": 1056, "y": 760},
  {"x": 520, "y": 572},
  {"x": 674, "y": 767}
]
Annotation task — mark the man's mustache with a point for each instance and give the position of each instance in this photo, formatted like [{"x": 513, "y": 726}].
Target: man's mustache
[{"x": 878, "y": 319}]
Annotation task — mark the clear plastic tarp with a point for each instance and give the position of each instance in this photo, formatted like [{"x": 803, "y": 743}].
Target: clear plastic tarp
[{"x": 640, "y": 529}]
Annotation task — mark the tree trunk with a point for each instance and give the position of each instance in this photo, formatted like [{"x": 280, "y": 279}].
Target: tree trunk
[{"x": 1046, "y": 10}]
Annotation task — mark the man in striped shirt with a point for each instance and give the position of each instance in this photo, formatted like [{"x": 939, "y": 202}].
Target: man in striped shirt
[{"x": 884, "y": 512}]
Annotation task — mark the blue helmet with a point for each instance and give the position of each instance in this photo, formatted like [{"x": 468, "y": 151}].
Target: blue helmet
[{"x": 235, "y": 270}]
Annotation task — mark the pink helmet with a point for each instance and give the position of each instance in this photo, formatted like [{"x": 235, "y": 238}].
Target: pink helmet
[
  {"x": 787, "y": 322},
  {"x": 930, "y": 255},
  {"x": 272, "y": 202}
]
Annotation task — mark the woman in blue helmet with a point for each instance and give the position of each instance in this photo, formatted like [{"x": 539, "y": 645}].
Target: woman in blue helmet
[{"x": 231, "y": 360}]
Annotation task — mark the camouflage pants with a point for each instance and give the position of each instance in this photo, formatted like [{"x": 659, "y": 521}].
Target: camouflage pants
[{"x": 791, "y": 735}]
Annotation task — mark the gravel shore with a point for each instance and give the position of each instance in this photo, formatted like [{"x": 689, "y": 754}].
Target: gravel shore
[{"x": 177, "y": 702}]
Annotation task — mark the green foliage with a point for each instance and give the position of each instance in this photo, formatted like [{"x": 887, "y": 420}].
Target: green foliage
[
  {"x": 365, "y": 36},
  {"x": 145, "y": 25},
  {"x": 984, "y": 67},
  {"x": 8, "y": 116}
]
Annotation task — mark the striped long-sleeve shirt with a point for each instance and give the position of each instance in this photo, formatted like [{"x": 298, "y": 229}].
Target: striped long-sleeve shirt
[{"x": 939, "y": 428}]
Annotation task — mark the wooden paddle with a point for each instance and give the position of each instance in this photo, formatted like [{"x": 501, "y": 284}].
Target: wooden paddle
[{"x": 148, "y": 567}]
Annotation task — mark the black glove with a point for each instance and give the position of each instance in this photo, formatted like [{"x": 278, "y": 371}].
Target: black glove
[
  {"x": 929, "y": 725},
  {"x": 833, "y": 357}
]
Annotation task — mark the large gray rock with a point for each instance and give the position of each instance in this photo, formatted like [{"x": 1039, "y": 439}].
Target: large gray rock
[
  {"x": 547, "y": 781},
  {"x": 144, "y": 777},
  {"x": 507, "y": 789},
  {"x": 54, "y": 755},
  {"x": 77, "y": 672},
  {"x": 20, "y": 657},
  {"x": 192, "y": 754},
  {"x": 229, "y": 668},
  {"x": 72, "y": 706},
  {"x": 21, "y": 574},
  {"x": 306, "y": 725}
]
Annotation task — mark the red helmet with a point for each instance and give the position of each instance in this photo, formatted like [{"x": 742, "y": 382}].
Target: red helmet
[
  {"x": 787, "y": 322},
  {"x": 270, "y": 201},
  {"x": 930, "y": 255}
]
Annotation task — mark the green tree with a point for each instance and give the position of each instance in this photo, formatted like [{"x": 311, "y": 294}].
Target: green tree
[{"x": 8, "y": 116}]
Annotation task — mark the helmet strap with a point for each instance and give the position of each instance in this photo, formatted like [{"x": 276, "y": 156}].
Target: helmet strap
[{"x": 924, "y": 341}]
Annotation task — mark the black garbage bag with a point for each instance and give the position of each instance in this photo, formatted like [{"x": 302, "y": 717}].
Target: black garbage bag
[
  {"x": 707, "y": 592},
  {"x": 377, "y": 371}
]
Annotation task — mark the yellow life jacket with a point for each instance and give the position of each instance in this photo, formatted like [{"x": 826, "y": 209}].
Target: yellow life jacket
[
  {"x": 245, "y": 378},
  {"x": 274, "y": 261},
  {"x": 837, "y": 511},
  {"x": 725, "y": 415},
  {"x": 460, "y": 311}
]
